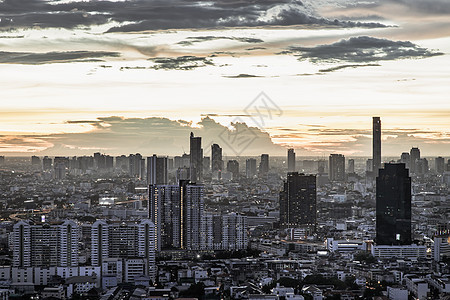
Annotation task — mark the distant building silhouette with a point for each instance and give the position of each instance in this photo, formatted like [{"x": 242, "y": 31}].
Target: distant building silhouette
[
  {"x": 157, "y": 170},
  {"x": 440, "y": 165},
  {"x": 298, "y": 201},
  {"x": 216, "y": 158},
  {"x": 233, "y": 168},
  {"x": 351, "y": 166},
  {"x": 414, "y": 155},
  {"x": 196, "y": 158},
  {"x": 405, "y": 159},
  {"x": 337, "y": 167},
  {"x": 264, "y": 164},
  {"x": 376, "y": 144},
  {"x": 250, "y": 167},
  {"x": 393, "y": 205},
  {"x": 291, "y": 160}
]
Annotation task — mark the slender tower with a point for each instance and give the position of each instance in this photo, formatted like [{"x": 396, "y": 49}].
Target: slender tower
[{"x": 376, "y": 145}]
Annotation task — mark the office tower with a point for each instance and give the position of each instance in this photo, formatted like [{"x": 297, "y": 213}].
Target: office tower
[
  {"x": 298, "y": 201},
  {"x": 405, "y": 159},
  {"x": 291, "y": 160},
  {"x": 351, "y": 166},
  {"x": 337, "y": 167},
  {"x": 47, "y": 163},
  {"x": 233, "y": 168},
  {"x": 439, "y": 165},
  {"x": 136, "y": 165},
  {"x": 250, "y": 167},
  {"x": 2, "y": 160},
  {"x": 264, "y": 164},
  {"x": 216, "y": 158},
  {"x": 125, "y": 240},
  {"x": 376, "y": 144},
  {"x": 393, "y": 205},
  {"x": 35, "y": 161},
  {"x": 196, "y": 158},
  {"x": 45, "y": 245},
  {"x": 225, "y": 232},
  {"x": 414, "y": 156},
  {"x": 157, "y": 170},
  {"x": 177, "y": 212},
  {"x": 321, "y": 166}
]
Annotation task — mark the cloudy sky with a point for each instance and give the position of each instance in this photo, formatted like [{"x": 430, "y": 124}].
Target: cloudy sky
[{"x": 251, "y": 75}]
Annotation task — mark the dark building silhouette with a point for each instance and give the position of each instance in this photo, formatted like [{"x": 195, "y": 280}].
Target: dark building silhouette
[
  {"x": 440, "y": 164},
  {"x": 264, "y": 164},
  {"x": 196, "y": 158},
  {"x": 157, "y": 170},
  {"x": 250, "y": 167},
  {"x": 298, "y": 201},
  {"x": 291, "y": 160},
  {"x": 405, "y": 159},
  {"x": 337, "y": 167},
  {"x": 351, "y": 166},
  {"x": 233, "y": 167},
  {"x": 376, "y": 144},
  {"x": 393, "y": 205},
  {"x": 216, "y": 158},
  {"x": 414, "y": 156}
]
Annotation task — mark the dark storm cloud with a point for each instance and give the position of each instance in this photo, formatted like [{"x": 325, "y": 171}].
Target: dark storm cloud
[
  {"x": 155, "y": 15},
  {"x": 30, "y": 58},
  {"x": 180, "y": 63},
  {"x": 198, "y": 39},
  {"x": 361, "y": 49}
]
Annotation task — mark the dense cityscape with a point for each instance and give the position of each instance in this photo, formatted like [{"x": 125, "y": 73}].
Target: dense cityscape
[{"x": 217, "y": 227}]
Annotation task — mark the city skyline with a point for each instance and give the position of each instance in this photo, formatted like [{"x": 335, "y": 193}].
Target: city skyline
[{"x": 69, "y": 78}]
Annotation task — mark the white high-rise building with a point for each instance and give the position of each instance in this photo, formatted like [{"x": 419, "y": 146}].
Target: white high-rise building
[
  {"x": 225, "y": 232},
  {"x": 124, "y": 240},
  {"x": 45, "y": 245}
]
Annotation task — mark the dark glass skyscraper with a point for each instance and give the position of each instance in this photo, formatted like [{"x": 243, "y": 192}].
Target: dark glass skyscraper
[
  {"x": 298, "y": 201},
  {"x": 376, "y": 144},
  {"x": 393, "y": 199},
  {"x": 196, "y": 158},
  {"x": 291, "y": 160}
]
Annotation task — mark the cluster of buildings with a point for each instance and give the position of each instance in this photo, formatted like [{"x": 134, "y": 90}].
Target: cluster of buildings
[{"x": 163, "y": 227}]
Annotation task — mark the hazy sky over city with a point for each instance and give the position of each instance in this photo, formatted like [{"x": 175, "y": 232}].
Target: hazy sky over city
[{"x": 138, "y": 76}]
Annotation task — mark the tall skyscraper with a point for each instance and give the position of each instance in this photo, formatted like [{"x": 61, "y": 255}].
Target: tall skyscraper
[
  {"x": 233, "y": 168},
  {"x": 264, "y": 164},
  {"x": 414, "y": 155},
  {"x": 157, "y": 170},
  {"x": 216, "y": 158},
  {"x": 291, "y": 160},
  {"x": 46, "y": 163},
  {"x": 376, "y": 144},
  {"x": 298, "y": 201},
  {"x": 439, "y": 165},
  {"x": 177, "y": 212},
  {"x": 250, "y": 167},
  {"x": 196, "y": 158},
  {"x": 45, "y": 245},
  {"x": 225, "y": 232},
  {"x": 337, "y": 167},
  {"x": 351, "y": 166},
  {"x": 393, "y": 205},
  {"x": 136, "y": 165}
]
